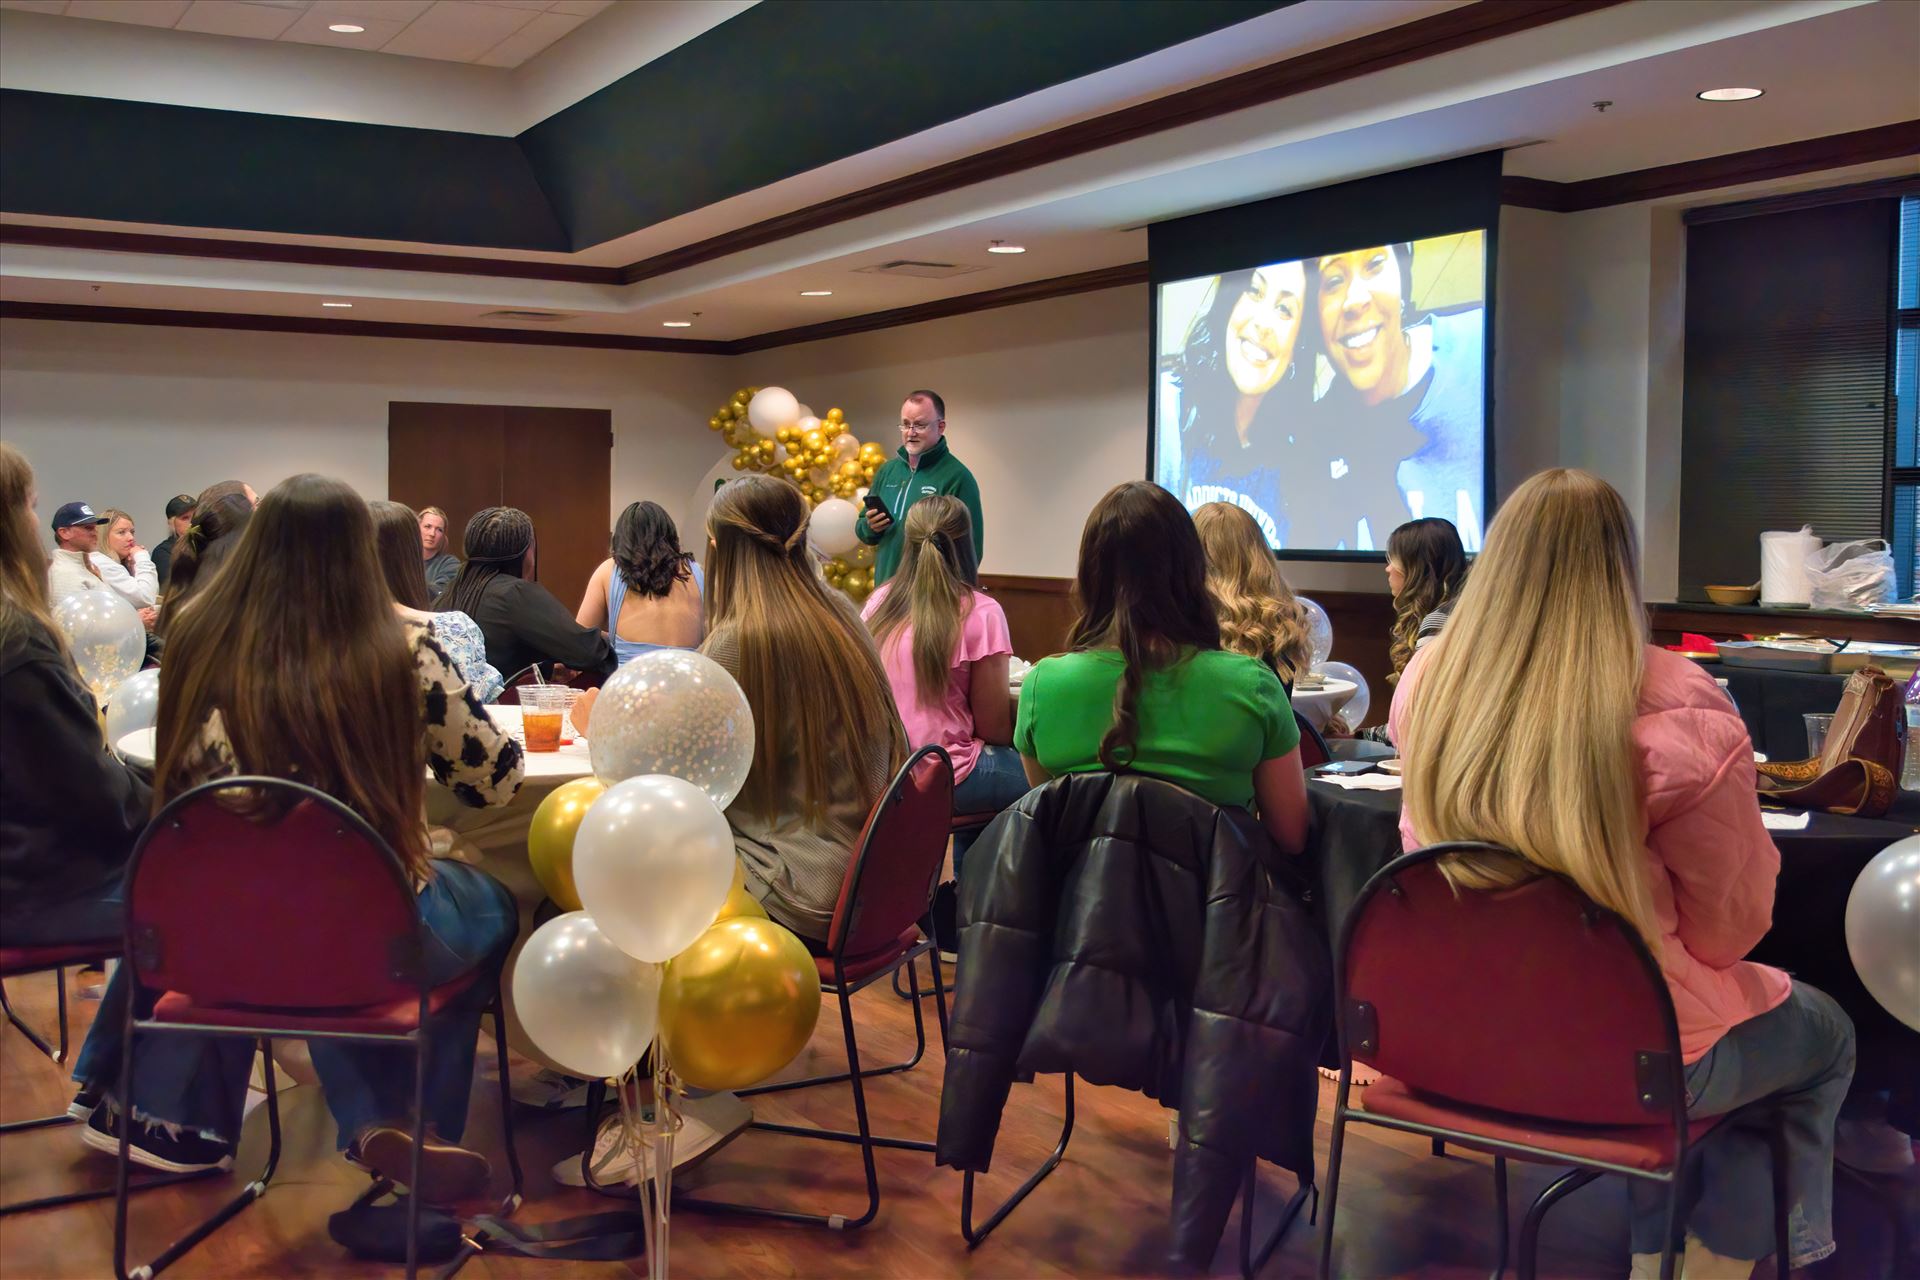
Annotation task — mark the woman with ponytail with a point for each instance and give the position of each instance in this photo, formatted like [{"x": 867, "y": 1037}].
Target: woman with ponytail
[
  {"x": 1542, "y": 720},
  {"x": 945, "y": 646},
  {"x": 524, "y": 625},
  {"x": 1145, "y": 686},
  {"x": 220, "y": 515}
]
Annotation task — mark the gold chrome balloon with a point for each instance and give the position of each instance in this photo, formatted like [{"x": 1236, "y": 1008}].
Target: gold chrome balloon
[
  {"x": 550, "y": 838},
  {"x": 738, "y": 1004}
]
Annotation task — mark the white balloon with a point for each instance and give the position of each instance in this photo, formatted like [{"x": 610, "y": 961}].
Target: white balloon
[
  {"x": 806, "y": 422},
  {"x": 831, "y": 532},
  {"x": 846, "y": 445},
  {"x": 653, "y": 860},
  {"x": 105, "y": 635},
  {"x": 771, "y": 409},
  {"x": 677, "y": 712},
  {"x": 805, "y": 410},
  {"x": 133, "y": 705},
  {"x": 584, "y": 1002},
  {"x": 1354, "y": 709},
  {"x": 1319, "y": 632},
  {"x": 1883, "y": 929}
]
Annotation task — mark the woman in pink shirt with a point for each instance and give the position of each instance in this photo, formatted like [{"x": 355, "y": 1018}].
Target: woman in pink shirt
[
  {"x": 945, "y": 646},
  {"x": 1542, "y": 720}
]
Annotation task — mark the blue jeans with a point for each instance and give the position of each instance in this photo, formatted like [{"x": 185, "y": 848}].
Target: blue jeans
[
  {"x": 1800, "y": 1056},
  {"x": 200, "y": 1082},
  {"x": 996, "y": 780}
]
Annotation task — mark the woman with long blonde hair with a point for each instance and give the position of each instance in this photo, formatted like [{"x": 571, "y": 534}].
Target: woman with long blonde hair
[
  {"x": 1542, "y": 720},
  {"x": 945, "y": 644},
  {"x": 72, "y": 810},
  {"x": 292, "y": 663},
  {"x": 1259, "y": 614},
  {"x": 826, "y": 736}
]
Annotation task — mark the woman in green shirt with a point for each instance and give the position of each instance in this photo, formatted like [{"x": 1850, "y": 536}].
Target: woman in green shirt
[{"x": 1145, "y": 686}]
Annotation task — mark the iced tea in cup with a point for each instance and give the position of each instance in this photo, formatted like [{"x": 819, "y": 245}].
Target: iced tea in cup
[{"x": 541, "y": 708}]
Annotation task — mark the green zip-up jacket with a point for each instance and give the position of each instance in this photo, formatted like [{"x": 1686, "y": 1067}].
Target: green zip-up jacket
[{"x": 900, "y": 486}]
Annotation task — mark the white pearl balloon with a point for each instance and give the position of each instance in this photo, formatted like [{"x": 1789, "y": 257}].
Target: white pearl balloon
[
  {"x": 1883, "y": 929},
  {"x": 771, "y": 409},
  {"x": 1354, "y": 709},
  {"x": 585, "y": 1003},
  {"x": 134, "y": 705},
  {"x": 832, "y": 530},
  {"x": 653, "y": 860}
]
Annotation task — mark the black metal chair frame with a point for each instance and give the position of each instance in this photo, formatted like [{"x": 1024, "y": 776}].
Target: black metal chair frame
[
  {"x": 1312, "y": 737},
  {"x": 266, "y": 1030},
  {"x": 59, "y": 1056},
  {"x": 855, "y": 1075},
  {"x": 1660, "y": 1071}
]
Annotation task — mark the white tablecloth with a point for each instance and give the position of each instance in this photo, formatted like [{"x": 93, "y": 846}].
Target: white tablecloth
[{"x": 1317, "y": 706}]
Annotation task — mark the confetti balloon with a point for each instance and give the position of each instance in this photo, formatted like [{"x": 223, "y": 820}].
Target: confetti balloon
[
  {"x": 1319, "y": 632},
  {"x": 677, "y": 712},
  {"x": 105, "y": 635}
]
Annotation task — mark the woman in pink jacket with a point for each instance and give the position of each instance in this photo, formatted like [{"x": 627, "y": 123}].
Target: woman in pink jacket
[{"x": 1542, "y": 720}]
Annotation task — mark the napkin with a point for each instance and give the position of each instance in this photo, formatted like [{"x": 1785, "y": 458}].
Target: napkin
[
  {"x": 1362, "y": 781},
  {"x": 1776, "y": 821}
]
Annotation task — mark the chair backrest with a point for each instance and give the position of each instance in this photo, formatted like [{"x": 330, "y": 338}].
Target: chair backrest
[
  {"x": 259, "y": 892},
  {"x": 889, "y": 882},
  {"x": 1532, "y": 1000},
  {"x": 1313, "y": 747}
]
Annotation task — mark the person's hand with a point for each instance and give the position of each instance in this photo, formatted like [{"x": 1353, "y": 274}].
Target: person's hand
[
  {"x": 878, "y": 520},
  {"x": 581, "y": 713},
  {"x": 149, "y": 616},
  {"x": 562, "y": 674},
  {"x": 139, "y": 550}
]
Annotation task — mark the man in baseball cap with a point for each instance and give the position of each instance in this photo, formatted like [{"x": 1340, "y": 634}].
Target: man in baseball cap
[
  {"x": 179, "y": 520},
  {"x": 76, "y": 536}
]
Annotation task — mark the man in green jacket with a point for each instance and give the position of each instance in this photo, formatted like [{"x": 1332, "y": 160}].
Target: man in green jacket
[{"x": 924, "y": 467}]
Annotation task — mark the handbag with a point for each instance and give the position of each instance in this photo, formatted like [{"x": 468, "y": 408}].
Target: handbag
[{"x": 1855, "y": 770}]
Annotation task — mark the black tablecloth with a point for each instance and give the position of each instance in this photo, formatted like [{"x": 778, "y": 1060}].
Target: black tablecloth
[
  {"x": 1358, "y": 832},
  {"x": 1773, "y": 703}
]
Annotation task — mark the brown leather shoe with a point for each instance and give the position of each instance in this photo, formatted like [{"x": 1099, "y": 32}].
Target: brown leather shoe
[{"x": 448, "y": 1173}]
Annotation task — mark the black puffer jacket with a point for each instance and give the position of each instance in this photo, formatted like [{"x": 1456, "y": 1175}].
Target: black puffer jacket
[{"x": 1127, "y": 931}]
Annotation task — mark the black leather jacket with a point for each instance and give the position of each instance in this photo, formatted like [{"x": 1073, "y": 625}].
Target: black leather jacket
[{"x": 1123, "y": 929}]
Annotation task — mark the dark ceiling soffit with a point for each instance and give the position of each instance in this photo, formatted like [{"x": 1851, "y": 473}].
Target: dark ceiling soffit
[
  {"x": 1033, "y": 291},
  {"x": 788, "y": 86},
  {"x": 1836, "y": 151},
  {"x": 1454, "y": 29},
  {"x": 1428, "y": 37}
]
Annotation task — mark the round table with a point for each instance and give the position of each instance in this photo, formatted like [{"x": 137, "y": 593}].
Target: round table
[
  {"x": 1357, "y": 832},
  {"x": 1317, "y": 706},
  {"x": 138, "y": 748}
]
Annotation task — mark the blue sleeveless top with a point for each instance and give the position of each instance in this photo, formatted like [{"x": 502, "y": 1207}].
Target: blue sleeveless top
[{"x": 625, "y": 651}]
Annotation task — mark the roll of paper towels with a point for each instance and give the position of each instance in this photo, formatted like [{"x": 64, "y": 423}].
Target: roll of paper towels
[{"x": 1783, "y": 566}]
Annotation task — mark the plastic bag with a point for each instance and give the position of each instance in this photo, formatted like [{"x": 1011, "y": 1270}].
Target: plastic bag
[{"x": 1851, "y": 575}]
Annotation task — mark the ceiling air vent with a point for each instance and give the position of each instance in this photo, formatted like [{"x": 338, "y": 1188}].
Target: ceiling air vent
[
  {"x": 525, "y": 317},
  {"x": 918, "y": 270}
]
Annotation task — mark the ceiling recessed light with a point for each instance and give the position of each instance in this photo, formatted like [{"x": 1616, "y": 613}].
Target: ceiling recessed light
[
  {"x": 1001, "y": 246},
  {"x": 1728, "y": 95},
  {"x": 347, "y": 305},
  {"x": 816, "y": 293},
  {"x": 347, "y": 28},
  {"x": 676, "y": 324}
]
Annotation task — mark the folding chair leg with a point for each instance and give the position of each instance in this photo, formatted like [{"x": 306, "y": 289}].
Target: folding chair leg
[
  {"x": 248, "y": 1194},
  {"x": 1250, "y": 1261},
  {"x": 974, "y": 1235},
  {"x": 419, "y": 1141},
  {"x": 1559, "y": 1189},
  {"x": 939, "y": 999},
  {"x": 892, "y": 1068},
  {"x": 27, "y": 1031},
  {"x": 518, "y": 1194},
  {"x": 1325, "y": 1270},
  {"x": 1501, "y": 1222}
]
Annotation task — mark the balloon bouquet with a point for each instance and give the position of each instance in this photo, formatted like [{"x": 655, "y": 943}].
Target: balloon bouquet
[
  {"x": 662, "y": 954},
  {"x": 772, "y": 433},
  {"x": 108, "y": 643}
]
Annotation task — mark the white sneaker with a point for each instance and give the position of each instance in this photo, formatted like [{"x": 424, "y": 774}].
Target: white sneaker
[
  {"x": 1646, "y": 1266},
  {"x": 1702, "y": 1263},
  {"x": 707, "y": 1124}
]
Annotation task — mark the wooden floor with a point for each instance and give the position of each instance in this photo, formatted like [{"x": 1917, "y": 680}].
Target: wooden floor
[{"x": 1102, "y": 1213}]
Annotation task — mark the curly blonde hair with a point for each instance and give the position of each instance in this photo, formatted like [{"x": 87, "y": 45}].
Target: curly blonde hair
[{"x": 1259, "y": 614}]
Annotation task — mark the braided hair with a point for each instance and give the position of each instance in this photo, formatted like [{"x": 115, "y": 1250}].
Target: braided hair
[{"x": 496, "y": 542}]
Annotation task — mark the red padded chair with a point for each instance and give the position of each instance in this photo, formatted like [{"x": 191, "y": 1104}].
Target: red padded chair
[
  {"x": 20, "y": 962},
  {"x": 1528, "y": 1023},
  {"x": 1313, "y": 747},
  {"x": 280, "y": 913},
  {"x": 876, "y": 932}
]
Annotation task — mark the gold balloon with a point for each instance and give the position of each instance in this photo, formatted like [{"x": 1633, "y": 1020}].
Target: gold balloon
[
  {"x": 813, "y": 441},
  {"x": 836, "y": 416},
  {"x": 738, "y": 1004},
  {"x": 739, "y": 462},
  {"x": 740, "y": 905},
  {"x": 550, "y": 838}
]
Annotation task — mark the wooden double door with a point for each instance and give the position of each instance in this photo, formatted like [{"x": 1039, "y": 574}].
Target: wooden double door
[{"x": 554, "y": 464}]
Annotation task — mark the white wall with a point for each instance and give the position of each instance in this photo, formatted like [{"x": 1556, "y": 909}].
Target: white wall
[{"x": 124, "y": 415}]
